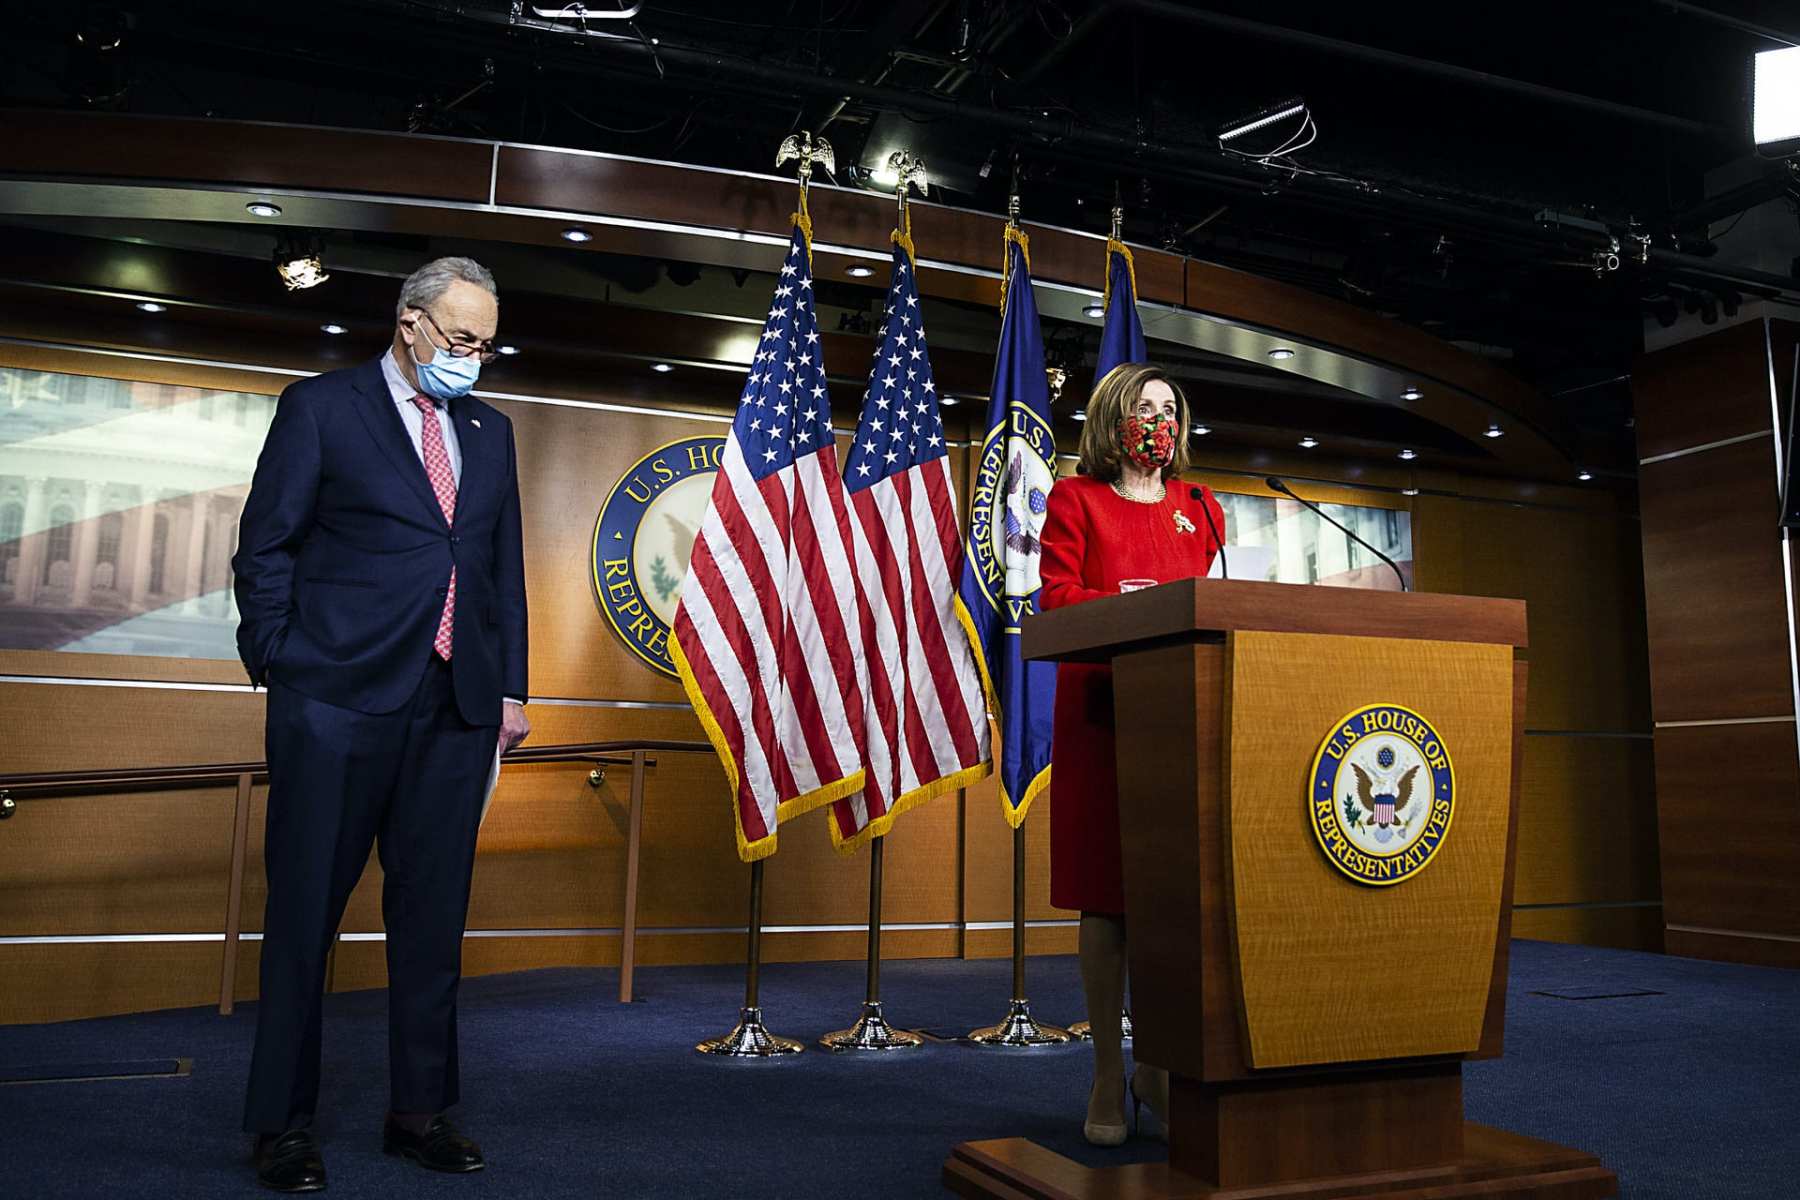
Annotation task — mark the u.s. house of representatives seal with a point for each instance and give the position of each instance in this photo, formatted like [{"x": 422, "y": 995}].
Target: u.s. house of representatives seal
[
  {"x": 1012, "y": 490},
  {"x": 643, "y": 539},
  {"x": 1382, "y": 794}
]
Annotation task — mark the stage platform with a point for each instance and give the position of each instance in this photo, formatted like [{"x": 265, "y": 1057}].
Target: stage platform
[{"x": 1679, "y": 1074}]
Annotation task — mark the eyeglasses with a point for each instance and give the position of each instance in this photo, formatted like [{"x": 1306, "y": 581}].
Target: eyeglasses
[{"x": 485, "y": 351}]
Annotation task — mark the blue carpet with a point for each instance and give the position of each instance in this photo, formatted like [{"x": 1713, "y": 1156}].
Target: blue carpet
[{"x": 1691, "y": 1093}]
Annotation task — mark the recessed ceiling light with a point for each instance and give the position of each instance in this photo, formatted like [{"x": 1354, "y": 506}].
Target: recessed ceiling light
[
  {"x": 1080, "y": 415},
  {"x": 1584, "y": 476},
  {"x": 947, "y": 401},
  {"x": 1096, "y": 309},
  {"x": 1409, "y": 491},
  {"x": 333, "y": 329},
  {"x": 1411, "y": 393},
  {"x": 1409, "y": 455},
  {"x": 1494, "y": 431},
  {"x": 661, "y": 368},
  {"x": 262, "y": 208},
  {"x": 577, "y": 235},
  {"x": 151, "y": 306},
  {"x": 1281, "y": 354},
  {"x": 1202, "y": 430},
  {"x": 1307, "y": 443},
  {"x": 859, "y": 271},
  {"x": 509, "y": 351}
]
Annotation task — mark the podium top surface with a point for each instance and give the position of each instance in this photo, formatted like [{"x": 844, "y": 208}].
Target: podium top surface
[{"x": 1190, "y": 609}]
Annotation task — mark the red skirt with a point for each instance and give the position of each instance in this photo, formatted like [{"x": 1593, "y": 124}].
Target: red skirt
[{"x": 1085, "y": 874}]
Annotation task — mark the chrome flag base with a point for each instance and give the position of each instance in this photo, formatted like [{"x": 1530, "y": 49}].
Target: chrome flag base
[
  {"x": 1021, "y": 1030},
  {"x": 871, "y": 1032},
  {"x": 1084, "y": 1032},
  {"x": 750, "y": 1039}
]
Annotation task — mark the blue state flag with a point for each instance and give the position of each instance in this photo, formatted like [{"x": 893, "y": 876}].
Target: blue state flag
[
  {"x": 1122, "y": 336},
  {"x": 1000, "y": 580}
]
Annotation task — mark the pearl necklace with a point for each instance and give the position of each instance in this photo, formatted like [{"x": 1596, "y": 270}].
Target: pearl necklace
[{"x": 1162, "y": 490}]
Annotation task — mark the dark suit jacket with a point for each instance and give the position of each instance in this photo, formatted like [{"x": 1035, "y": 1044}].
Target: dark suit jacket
[{"x": 344, "y": 556}]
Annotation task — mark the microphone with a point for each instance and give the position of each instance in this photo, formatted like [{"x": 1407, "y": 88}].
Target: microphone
[
  {"x": 1280, "y": 486},
  {"x": 1195, "y": 493}
]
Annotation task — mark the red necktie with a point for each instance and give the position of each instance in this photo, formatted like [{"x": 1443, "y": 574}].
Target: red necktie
[{"x": 443, "y": 482}]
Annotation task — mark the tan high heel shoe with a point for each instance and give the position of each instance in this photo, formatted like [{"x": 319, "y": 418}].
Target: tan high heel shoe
[{"x": 1099, "y": 1134}]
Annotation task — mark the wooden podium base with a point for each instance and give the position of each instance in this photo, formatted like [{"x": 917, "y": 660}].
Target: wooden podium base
[{"x": 1495, "y": 1165}]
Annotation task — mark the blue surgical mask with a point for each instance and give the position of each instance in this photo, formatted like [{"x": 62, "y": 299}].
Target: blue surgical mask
[{"x": 446, "y": 377}]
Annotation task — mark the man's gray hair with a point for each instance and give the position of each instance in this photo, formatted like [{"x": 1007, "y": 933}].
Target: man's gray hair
[{"x": 423, "y": 287}]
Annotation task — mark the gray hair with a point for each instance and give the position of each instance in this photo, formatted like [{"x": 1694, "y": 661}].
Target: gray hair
[{"x": 425, "y": 285}]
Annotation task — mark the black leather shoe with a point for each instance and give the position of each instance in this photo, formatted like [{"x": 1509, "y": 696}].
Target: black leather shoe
[
  {"x": 440, "y": 1148},
  {"x": 290, "y": 1162}
]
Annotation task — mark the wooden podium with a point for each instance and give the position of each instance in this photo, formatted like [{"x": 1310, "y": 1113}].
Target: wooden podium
[{"x": 1312, "y": 994}]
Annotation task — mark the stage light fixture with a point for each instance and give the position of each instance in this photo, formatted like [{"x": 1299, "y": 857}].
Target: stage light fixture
[
  {"x": 1584, "y": 476},
  {"x": 509, "y": 351},
  {"x": 1307, "y": 443},
  {"x": 1494, "y": 431},
  {"x": 151, "y": 306},
  {"x": 859, "y": 271},
  {"x": 1411, "y": 393},
  {"x": 333, "y": 329},
  {"x": 1263, "y": 119},
  {"x": 262, "y": 208},
  {"x": 577, "y": 235},
  {"x": 1409, "y": 455},
  {"x": 1775, "y": 107},
  {"x": 300, "y": 261},
  {"x": 661, "y": 368},
  {"x": 1281, "y": 354}
]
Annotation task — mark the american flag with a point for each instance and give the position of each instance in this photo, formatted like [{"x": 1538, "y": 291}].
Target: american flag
[
  {"x": 767, "y": 637},
  {"x": 927, "y": 727}
]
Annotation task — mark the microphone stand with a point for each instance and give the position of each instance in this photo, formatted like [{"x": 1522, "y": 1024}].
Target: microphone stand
[{"x": 1281, "y": 486}]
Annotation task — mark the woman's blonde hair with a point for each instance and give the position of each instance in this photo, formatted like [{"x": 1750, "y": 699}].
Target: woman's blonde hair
[{"x": 1115, "y": 398}]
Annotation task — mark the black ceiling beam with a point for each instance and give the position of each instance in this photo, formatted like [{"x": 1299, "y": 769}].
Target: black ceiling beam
[
  {"x": 1728, "y": 21},
  {"x": 1338, "y": 48}
]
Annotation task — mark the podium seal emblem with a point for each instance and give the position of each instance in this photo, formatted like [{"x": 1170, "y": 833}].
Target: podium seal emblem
[
  {"x": 643, "y": 538},
  {"x": 1382, "y": 794}
]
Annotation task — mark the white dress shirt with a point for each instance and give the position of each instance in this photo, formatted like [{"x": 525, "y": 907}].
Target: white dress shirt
[
  {"x": 414, "y": 420},
  {"x": 403, "y": 393}
]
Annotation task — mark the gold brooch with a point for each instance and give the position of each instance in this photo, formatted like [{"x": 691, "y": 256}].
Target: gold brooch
[{"x": 1182, "y": 524}]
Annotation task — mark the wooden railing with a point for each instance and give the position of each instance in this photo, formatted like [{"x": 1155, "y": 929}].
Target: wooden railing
[{"x": 245, "y": 775}]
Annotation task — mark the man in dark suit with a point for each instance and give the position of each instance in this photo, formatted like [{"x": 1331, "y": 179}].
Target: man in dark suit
[{"x": 380, "y": 579}]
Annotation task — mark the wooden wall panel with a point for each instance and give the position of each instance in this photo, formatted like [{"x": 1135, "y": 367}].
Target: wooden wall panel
[
  {"x": 1729, "y": 815},
  {"x": 1714, "y": 592},
  {"x": 1707, "y": 390},
  {"x": 1718, "y": 591},
  {"x": 1633, "y": 928},
  {"x": 1587, "y": 821}
]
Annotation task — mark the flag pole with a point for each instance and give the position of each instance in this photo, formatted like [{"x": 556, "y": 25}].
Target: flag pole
[
  {"x": 1020, "y": 1030},
  {"x": 749, "y": 1038},
  {"x": 1083, "y": 1029},
  {"x": 872, "y": 1031}
]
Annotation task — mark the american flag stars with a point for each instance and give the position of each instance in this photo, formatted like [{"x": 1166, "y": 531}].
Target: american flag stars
[
  {"x": 900, "y": 427},
  {"x": 787, "y": 370}
]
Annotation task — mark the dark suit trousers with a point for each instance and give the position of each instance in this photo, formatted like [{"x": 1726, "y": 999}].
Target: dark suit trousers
[{"x": 339, "y": 782}]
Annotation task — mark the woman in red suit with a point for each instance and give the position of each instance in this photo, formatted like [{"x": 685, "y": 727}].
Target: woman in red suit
[{"x": 1124, "y": 519}]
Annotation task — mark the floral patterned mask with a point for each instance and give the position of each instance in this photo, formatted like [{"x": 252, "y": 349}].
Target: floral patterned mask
[{"x": 1148, "y": 441}]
